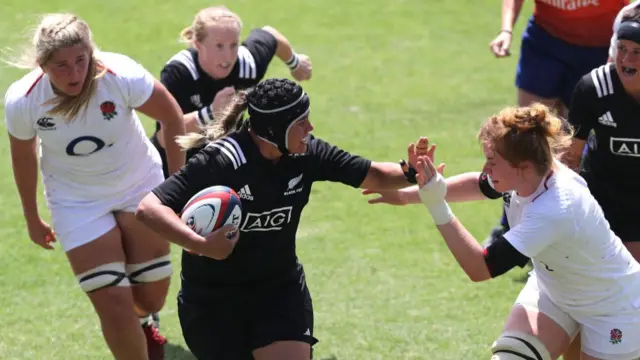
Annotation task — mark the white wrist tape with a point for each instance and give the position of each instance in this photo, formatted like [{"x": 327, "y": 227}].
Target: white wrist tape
[
  {"x": 432, "y": 195},
  {"x": 440, "y": 212},
  {"x": 293, "y": 62}
]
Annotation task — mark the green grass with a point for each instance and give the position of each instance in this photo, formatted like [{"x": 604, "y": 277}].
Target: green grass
[{"x": 383, "y": 282}]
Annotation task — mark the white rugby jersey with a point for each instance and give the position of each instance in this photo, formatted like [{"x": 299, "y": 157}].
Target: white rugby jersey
[
  {"x": 579, "y": 263},
  {"x": 104, "y": 150}
]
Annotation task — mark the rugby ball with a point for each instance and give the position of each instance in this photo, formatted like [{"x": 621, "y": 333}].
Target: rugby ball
[{"x": 211, "y": 209}]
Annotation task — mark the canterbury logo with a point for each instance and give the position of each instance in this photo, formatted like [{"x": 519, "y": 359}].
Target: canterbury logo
[{"x": 46, "y": 123}]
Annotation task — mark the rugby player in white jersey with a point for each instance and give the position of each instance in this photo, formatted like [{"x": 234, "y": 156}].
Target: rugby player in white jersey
[
  {"x": 75, "y": 113},
  {"x": 584, "y": 279}
]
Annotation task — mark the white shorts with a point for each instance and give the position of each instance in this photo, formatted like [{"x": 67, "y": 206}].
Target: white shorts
[
  {"x": 611, "y": 337},
  {"x": 76, "y": 223}
]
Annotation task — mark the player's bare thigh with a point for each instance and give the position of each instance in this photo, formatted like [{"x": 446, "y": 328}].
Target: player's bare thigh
[
  {"x": 526, "y": 98},
  {"x": 142, "y": 245},
  {"x": 530, "y": 321},
  {"x": 105, "y": 249},
  {"x": 280, "y": 350}
]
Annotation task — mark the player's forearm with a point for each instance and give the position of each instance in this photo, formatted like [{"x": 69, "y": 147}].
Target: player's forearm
[
  {"x": 175, "y": 155},
  {"x": 466, "y": 250},
  {"x": 464, "y": 187},
  {"x": 164, "y": 221},
  {"x": 510, "y": 12},
  {"x": 25, "y": 172},
  {"x": 460, "y": 188},
  {"x": 192, "y": 122},
  {"x": 284, "y": 51},
  {"x": 385, "y": 175}
]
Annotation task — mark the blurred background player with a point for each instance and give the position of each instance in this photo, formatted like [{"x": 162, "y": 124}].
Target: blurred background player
[
  {"x": 76, "y": 108},
  {"x": 616, "y": 25},
  {"x": 248, "y": 298},
  {"x": 204, "y": 77},
  {"x": 561, "y": 42}
]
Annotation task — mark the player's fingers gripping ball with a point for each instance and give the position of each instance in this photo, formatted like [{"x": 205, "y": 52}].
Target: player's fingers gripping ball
[{"x": 212, "y": 209}]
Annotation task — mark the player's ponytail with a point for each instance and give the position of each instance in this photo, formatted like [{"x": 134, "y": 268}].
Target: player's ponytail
[
  {"x": 530, "y": 133},
  {"x": 230, "y": 119}
]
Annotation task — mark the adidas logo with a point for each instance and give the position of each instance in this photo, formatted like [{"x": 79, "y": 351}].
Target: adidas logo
[
  {"x": 245, "y": 193},
  {"x": 607, "y": 120},
  {"x": 308, "y": 332}
]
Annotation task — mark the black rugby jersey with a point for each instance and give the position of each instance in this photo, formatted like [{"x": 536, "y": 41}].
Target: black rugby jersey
[
  {"x": 600, "y": 103},
  {"x": 194, "y": 89},
  {"x": 273, "y": 196}
]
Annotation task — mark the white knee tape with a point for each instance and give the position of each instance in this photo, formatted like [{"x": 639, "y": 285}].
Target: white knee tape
[
  {"x": 515, "y": 345},
  {"x": 103, "y": 276},
  {"x": 150, "y": 271}
]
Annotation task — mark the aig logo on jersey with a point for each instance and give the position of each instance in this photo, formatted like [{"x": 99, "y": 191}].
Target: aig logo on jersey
[
  {"x": 625, "y": 146},
  {"x": 274, "y": 219}
]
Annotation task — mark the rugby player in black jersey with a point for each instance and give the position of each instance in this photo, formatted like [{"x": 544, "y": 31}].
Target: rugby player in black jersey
[
  {"x": 204, "y": 77},
  {"x": 247, "y": 297},
  {"x": 606, "y": 100}
]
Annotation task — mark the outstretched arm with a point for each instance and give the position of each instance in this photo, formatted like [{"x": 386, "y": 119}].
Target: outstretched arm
[
  {"x": 477, "y": 262},
  {"x": 460, "y": 188}
]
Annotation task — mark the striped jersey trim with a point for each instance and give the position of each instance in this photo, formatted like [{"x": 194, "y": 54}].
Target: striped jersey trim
[
  {"x": 231, "y": 149},
  {"x": 185, "y": 58},
  {"x": 601, "y": 77},
  {"x": 246, "y": 64}
]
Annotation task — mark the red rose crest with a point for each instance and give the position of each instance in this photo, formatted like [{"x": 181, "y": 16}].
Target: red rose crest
[
  {"x": 108, "y": 109},
  {"x": 615, "y": 337}
]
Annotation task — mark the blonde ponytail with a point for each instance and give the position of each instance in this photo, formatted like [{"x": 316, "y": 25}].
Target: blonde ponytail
[{"x": 229, "y": 120}]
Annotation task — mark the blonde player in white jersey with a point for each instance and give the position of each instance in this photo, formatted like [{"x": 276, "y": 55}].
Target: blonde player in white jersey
[
  {"x": 584, "y": 279},
  {"x": 75, "y": 112}
]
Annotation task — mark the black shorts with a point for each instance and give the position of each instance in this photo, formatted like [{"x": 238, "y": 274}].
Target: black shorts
[{"x": 233, "y": 323}]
